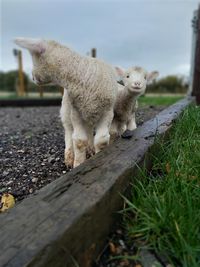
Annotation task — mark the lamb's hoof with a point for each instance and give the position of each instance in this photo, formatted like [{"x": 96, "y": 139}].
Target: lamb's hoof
[
  {"x": 127, "y": 134},
  {"x": 90, "y": 152},
  {"x": 69, "y": 159},
  {"x": 77, "y": 163},
  {"x": 69, "y": 165}
]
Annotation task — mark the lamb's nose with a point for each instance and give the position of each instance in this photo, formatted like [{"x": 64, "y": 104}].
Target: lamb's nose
[{"x": 137, "y": 83}]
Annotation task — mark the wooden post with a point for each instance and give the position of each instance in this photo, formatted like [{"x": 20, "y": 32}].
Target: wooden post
[
  {"x": 18, "y": 54},
  {"x": 196, "y": 68},
  {"x": 93, "y": 52},
  {"x": 21, "y": 75},
  {"x": 193, "y": 49},
  {"x": 41, "y": 91}
]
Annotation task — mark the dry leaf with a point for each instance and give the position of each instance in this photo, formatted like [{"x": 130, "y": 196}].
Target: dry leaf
[
  {"x": 7, "y": 202},
  {"x": 167, "y": 167},
  {"x": 192, "y": 177},
  {"x": 124, "y": 262},
  {"x": 112, "y": 248}
]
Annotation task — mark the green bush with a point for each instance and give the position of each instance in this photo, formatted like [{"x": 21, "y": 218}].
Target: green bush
[
  {"x": 169, "y": 84},
  {"x": 9, "y": 80}
]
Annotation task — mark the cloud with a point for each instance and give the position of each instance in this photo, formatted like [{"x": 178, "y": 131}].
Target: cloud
[{"x": 153, "y": 33}]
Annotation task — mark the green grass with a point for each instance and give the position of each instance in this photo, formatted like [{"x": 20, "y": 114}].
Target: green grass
[
  {"x": 164, "y": 211},
  {"x": 158, "y": 100}
]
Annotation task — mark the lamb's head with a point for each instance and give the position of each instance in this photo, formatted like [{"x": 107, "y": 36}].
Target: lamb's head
[
  {"x": 43, "y": 64},
  {"x": 136, "y": 78}
]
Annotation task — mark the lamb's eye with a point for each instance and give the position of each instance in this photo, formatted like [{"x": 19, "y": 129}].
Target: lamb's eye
[
  {"x": 145, "y": 77},
  {"x": 127, "y": 76}
]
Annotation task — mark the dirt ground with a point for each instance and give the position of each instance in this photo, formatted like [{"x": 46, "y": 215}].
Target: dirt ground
[{"x": 32, "y": 146}]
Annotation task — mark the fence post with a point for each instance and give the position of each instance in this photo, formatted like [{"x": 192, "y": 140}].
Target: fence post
[
  {"x": 195, "y": 66},
  {"x": 93, "y": 52},
  {"x": 193, "y": 48},
  {"x": 40, "y": 91},
  {"x": 18, "y": 54},
  {"x": 21, "y": 75}
]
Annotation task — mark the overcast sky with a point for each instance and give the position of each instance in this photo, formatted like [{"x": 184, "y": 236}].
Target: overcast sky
[{"x": 155, "y": 34}]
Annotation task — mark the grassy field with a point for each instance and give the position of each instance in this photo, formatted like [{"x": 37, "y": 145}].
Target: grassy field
[
  {"x": 163, "y": 213},
  {"x": 159, "y": 100}
]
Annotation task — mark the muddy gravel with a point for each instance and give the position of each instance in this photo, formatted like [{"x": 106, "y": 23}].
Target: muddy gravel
[{"x": 32, "y": 145}]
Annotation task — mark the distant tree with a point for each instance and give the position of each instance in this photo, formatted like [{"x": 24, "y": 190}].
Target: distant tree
[
  {"x": 9, "y": 79},
  {"x": 32, "y": 87},
  {"x": 2, "y": 80},
  {"x": 169, "y": 84}
]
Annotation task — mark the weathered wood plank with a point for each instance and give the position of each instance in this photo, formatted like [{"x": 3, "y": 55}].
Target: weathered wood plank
[
  {"x": 68, "y": 219},
  {"x": 30, "y": 102}
]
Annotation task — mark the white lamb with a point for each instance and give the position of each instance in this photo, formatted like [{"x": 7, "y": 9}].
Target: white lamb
[
  {"x": 135, "y": 82},
  {"x": 89, "y": 97}
]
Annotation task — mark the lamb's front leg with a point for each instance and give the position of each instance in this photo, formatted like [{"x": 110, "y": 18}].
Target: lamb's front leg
[
  {"x": 67, "y": 124},
  {"x": 131, "y": 125},
  {"x": 80, "y": 139},
  {"x": 69, "y": 153},
  {"x": 102, "y": 136}
]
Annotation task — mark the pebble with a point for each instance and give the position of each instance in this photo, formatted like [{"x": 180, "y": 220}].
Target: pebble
[
  {"x": 31, "y": 190},
  {"x": 119, "y": 231},
  {"x": 2, "y": 190},
  {"x": 34, "y": 180},
  {"x": 121, "y": 242},
  {"x": 10, "y": 182},
  {"x": 5, "y": 173},
  {"x": 51, "y": 159}
]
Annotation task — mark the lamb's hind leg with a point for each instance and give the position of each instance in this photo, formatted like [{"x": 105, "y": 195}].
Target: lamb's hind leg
[
  {"x": 102, "y": 136},
  {"x": 80, "y": 139},
  {"x": 67, "y": 124}
]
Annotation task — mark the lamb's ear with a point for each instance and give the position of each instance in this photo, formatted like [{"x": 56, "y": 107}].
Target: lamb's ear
[
  {"x": 33, "y": 45},
  {"x": 152, "y": 75},
  {"x": 119, "y": 71}
]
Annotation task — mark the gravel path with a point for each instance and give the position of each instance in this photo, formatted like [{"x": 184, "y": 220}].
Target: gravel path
[{"x": 32, "y": 146}]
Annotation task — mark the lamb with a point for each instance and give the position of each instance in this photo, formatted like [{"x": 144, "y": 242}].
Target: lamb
[
  {"x": 135, "y": 82},
  {"x": 89, "y": 95}
]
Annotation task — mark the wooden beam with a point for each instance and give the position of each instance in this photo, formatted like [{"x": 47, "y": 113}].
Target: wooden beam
[
  {"x": 66, "y": 222},
  {"x": 30, "y": 102}
]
